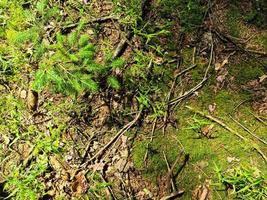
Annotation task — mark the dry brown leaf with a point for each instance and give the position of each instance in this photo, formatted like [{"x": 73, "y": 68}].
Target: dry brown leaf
[
  {"x": 32, "y": 100},
  {"x": 80, "y": 184},
  {"x": 202, "y": 192},
  {"x": 206, "y": 130},
  {"x": 23, "y": 94},
  {"x": 97, "y": 166},
  {"x": 59, "y": 166},
  {"x": 219, "y": 66},
  {"x": 212, "y": 108},
  {"x": 124, "y": 140}
]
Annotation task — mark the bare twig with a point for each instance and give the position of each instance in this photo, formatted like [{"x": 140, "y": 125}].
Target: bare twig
[
  {"x": 246, "y": 129},
  {"x": 169, "y": 170},
  {"x": 114, "y": 139},
  {"x": 229, "y": 129},
  {"x": 187, "y": 93},
  {"x": 95, "y": 20},
  {"x": 109, "y": 188},
  {"x": 87, "y": 149},
  {"x": 173, "y": 195},
  {"x": 122, "y": 45},
  {"x": 170, "y": 174},
  {"x": 151, "y": 138},
  {"x": 167, "y": 112},
  {"x": 259, "y": 119},
  {"x": 199, "y": 85}
]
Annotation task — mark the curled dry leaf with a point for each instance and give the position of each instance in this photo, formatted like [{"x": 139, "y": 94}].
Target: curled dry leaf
[
  {"x": 222, "y": 77},
  {"x": 60, "y": 167},
  {"x": 80, "y": 184},
  {"x": 98, "y": 166},
  {"x": 202, "y": 192},
  {"x": 206, "y": 131},
  {"x": 23, "y": 94},
  {"x": 232, "y": 159},
  {"x": 219, "y": 66},
  {"x": 32, "y": 100},
  {"x": 124, "y": 140},
  {"x": 212, "y": 108}
]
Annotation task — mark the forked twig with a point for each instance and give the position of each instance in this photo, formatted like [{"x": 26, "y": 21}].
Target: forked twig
[
  {"x": 169, "y": 170},
  {"x": 199, "y": 85}
]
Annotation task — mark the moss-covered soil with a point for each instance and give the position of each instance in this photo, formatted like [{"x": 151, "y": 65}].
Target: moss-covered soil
[{"x": 70, "y": 94}]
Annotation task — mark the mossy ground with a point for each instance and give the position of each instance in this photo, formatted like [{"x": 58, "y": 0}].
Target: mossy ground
[
  {"x": 20, "y": 49},
  {"x": 206, "y": 153}
]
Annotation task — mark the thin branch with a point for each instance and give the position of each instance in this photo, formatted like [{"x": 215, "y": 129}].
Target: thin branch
[
  {"x": 169, "y": 170},
  {"x": 151, "y": 138},
  {"x": 95, "y": 20},
  {"x": 199, "y": 85},
  {"x": 173, "y": 195},
  {"x": 246, "y": 129},
  {"x": 259, "y": 119},
  {"x": 114, "y": 139},
  {"x": 229, "y": 129},
  {"x": 188, "y": 93}
]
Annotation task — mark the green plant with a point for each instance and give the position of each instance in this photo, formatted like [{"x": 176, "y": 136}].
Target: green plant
[
  {"x": 244, "y": 182},
  {"x": 71, "y": 69},
  {"x": 189, "y": 12},
  {"x": 24, "y": 184},
  {"x": 197, "y": 123}
]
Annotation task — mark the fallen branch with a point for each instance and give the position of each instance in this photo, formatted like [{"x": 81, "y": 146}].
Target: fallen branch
[
  {"x": 151, "y": 138},
  {"x": 246, "y": 129},
  {"x": 173, "y": 195},
  {"x": 129, "y": 34},
  {"x": 188, "y": 93},
  {"x": 199, "y": 85},
  {"x": 113, "y": 140},
  {"x": 229, "y": 129},
  {"x": 259, "y": 119},
  {"x": 166, "y": 115},
  {"x": 122, "y": 45},
  {"x": 95, "y": 20},
  {"x": 169, "y": 170},
  {"x": 170, "y": 174}
]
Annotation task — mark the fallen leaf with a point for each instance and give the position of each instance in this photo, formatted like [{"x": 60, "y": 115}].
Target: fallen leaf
[
  {"x": 120, "y": 165},
  {"x": 222, "y": 77},
  {"x": 202, "y": 192},
  {"x": 218, "y": 66},
  {"x": 124, "y": 140},
  {"x": 23, "y": 94},
  {"x": 97, "y": 166},
  {"x": 202, "y": 164},
  {"x": 206, "y": 130},
  {"x": 80, "y": 184},
  {"x": 212, "y": 108},
  {"x": 32, "y": 100},
  {"x": 232, "y": 159}
]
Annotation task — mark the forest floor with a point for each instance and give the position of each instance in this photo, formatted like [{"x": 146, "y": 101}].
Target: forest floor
[{"x": 204, "y": 126}]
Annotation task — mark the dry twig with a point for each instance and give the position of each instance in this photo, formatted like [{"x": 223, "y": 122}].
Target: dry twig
[
  {"x": 113, "y": 140},
  {"x": 255, "y": 146},
  {"x": 151, "y": 138},
  {"x": 246, "y": 129},
  {"x": 169, "y": 170}
]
